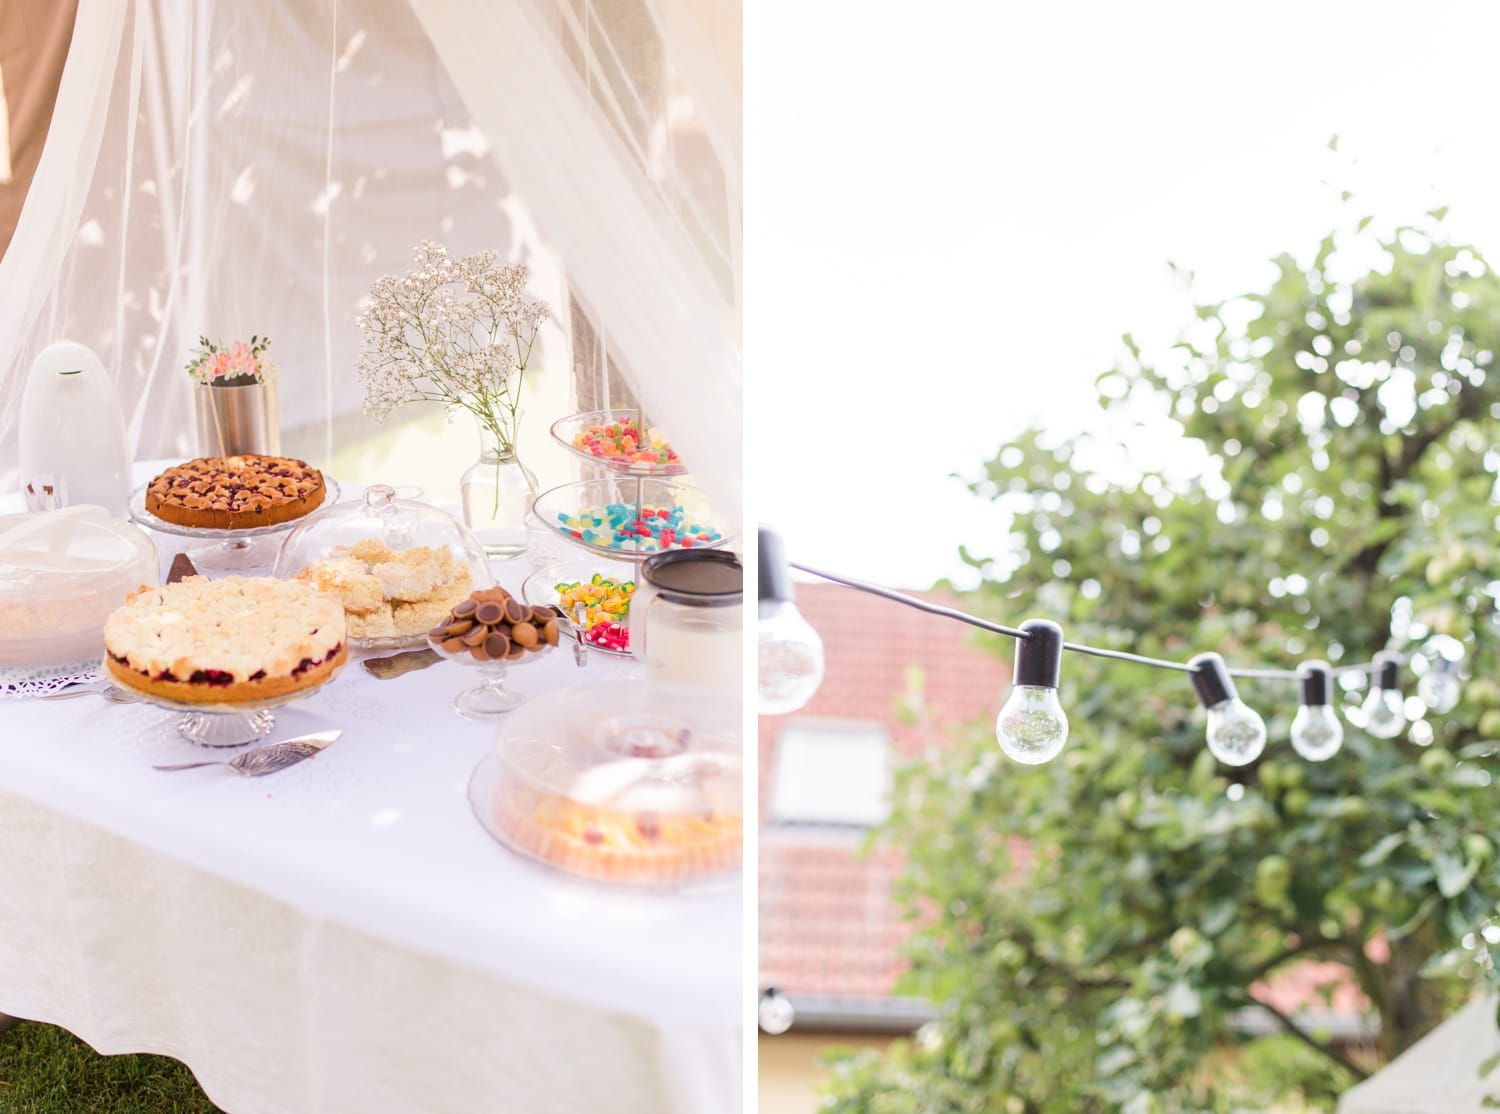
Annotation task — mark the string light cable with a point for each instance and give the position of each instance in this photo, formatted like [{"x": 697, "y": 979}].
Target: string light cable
[{"x": 1032, "y": 727}]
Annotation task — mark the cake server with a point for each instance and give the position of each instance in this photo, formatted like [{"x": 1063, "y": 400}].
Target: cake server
[
  {"x": 397, "y": 665},
  {"x": 270, "y": 758}
]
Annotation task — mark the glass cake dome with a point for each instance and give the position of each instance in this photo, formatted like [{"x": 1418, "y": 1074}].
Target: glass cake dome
[
  {"x": 624, "y": 782},
  {"x": 397, "y": 564}
]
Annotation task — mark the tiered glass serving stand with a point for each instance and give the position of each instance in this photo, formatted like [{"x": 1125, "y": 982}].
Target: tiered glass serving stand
[{"x": 634, "y": 484}]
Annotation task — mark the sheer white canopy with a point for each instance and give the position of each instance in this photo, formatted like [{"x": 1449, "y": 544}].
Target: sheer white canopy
[{"x": 252, "y": 168}]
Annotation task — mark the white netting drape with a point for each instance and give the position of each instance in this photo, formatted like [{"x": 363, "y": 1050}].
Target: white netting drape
[{"x": 252, "y": 168}]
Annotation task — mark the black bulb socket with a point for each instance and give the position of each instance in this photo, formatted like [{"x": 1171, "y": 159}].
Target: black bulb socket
[
  {"x": 1316, "y": 680},
  {"x": 1387, "y": 670},
  {"x": 1211, "y": 680},
  {"x": 1039, "y": 655},
  {"x": 774, "y": 580}
]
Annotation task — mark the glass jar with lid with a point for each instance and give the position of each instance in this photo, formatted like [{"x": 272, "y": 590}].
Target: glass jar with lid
[
  {"x": 397, "y": 564},
  {"x": 686, "y": 617}
]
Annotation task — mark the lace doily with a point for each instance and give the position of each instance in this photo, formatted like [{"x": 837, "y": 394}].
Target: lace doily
[{"x": 39, "y": 682}]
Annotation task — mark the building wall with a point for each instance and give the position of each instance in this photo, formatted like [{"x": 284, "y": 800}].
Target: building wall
[{"x": 791, "y": 1068}]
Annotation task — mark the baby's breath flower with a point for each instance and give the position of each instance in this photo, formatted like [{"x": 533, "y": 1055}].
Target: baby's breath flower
[{"x": 456, "y": 331}]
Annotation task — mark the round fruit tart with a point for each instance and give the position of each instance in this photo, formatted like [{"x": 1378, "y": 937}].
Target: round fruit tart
[{"x": 236, "y": 492}]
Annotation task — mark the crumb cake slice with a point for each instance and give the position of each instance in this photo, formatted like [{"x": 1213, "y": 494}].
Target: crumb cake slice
[
  {"x": 236, "y": 492},
  {"x": 230, "y": 641},
  {"x": 389, "y": 593}
]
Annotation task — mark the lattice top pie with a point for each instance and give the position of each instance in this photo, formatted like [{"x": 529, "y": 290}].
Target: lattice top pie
[{"x": 236, "y": 492}]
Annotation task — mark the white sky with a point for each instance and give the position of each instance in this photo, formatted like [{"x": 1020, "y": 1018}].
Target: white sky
[{"x": 950, "y": 220}]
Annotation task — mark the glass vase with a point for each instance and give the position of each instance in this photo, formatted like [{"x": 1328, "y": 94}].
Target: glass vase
[{"x": 498, "y": 491}]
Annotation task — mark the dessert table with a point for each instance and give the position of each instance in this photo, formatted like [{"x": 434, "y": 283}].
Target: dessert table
[{"x": 344, "y": 936}]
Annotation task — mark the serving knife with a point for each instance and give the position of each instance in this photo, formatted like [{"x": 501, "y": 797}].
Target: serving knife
[{"x": 270, "y": 758}]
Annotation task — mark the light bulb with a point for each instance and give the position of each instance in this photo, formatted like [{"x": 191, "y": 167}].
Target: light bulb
[
  {"x": 789, "y": 668},
  {"x": 1440, "y": 689},
  {"x": 1317, "y": 733},
  {"x": 1032, "y": 727},
  {"x": 1385, "y": 713},
  {"x": 1384, "y": 709},
  {"x": 1236, "y": 734},
  {"x": 775, "y": 1012}
]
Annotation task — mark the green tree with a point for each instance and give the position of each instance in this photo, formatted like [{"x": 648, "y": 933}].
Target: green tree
[{"x": 1089, "y": 929}]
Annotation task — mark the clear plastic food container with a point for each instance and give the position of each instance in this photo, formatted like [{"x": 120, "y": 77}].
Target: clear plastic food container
[
  {"x": 61, "y": 573},
  {"x": 623, "y": 782}
]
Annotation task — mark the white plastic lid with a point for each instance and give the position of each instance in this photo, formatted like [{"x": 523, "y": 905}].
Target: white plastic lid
[
  {"x": 61, "y": 573},
  {"x": 64, "y": 550}
]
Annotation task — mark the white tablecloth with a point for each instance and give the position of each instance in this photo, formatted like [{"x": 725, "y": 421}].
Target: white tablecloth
[{"x": 344, "y": 936}]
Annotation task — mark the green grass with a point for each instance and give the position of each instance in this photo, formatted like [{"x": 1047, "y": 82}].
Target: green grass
[{"x": 46, "y": 1070}]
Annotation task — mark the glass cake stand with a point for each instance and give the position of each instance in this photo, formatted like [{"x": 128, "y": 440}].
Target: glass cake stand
[
  {"x": 225, "y": 725},
  {"x": 226, "y": 551}
]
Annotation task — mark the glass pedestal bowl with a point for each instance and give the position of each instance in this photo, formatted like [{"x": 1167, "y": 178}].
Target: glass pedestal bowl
[
  {"x": 490, "y": 632},
  {"x": 570, "y": 430},
  {"x": 491, "y": 697},
  {"x": 541, "y": 589}
]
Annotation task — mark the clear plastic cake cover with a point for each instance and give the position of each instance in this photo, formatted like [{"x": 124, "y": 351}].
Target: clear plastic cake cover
[
  {"x": 397, "y": 564},
  {"x": 630, "y": 782},
  {"x": 61, "y": 573}
]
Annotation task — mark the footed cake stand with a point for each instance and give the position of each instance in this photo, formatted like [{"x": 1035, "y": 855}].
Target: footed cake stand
[
  {"x": 226, "y": 725},
  {"x": 227, "y": 551}
]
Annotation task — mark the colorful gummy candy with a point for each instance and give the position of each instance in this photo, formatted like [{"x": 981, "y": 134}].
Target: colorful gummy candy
[
  {"x": 609, "y": 635},
  {"x": 624, "y": 442},
  {"x": 617, "y": 526},
  {"x": 605, "y": 601}
]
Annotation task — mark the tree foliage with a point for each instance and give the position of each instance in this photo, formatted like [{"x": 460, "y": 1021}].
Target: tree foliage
[{"x": 1091, "y": 929}]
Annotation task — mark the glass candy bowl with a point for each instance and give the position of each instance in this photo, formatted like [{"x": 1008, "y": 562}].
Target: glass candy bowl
[
  {"x": 619, "y": 782},
  {"x": 603, "y": 621},
  {"x": 398, "y": 565},
  {"x": 490, "y": 632},
  {"x": 624, "y": 517},
  {"x": 599, "y": 437}
]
